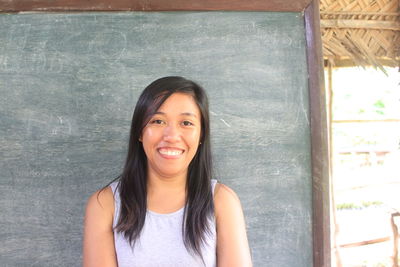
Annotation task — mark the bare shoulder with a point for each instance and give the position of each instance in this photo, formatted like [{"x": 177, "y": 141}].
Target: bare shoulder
[
  {"x": 232, "y": 244},
  {"x": 225, "y": 193},
  {"x": 101, "y": 202},
  {"x": 98, "y": 241},
  {"x": 225, "y": 199}
]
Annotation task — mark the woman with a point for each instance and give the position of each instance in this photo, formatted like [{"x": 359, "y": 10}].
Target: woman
[{"x": 165, "y": 210}]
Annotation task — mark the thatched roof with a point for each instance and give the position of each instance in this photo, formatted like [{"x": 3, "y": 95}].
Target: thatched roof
[{"x": 361, "y": 32}]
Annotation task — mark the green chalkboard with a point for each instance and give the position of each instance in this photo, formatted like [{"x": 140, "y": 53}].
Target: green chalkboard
[{"x": 68, "y": 86}]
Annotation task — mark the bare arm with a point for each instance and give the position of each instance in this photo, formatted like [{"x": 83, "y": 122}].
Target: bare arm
[
  {"x": 232, "y": 245},
  {"x": 98, "y": 241}
]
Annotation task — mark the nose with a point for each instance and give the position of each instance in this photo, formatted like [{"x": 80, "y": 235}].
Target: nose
[{"x": 171, "y": 134}]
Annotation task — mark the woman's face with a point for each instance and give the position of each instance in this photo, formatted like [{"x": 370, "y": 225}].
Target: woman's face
[{"x": 171, "y": 137}]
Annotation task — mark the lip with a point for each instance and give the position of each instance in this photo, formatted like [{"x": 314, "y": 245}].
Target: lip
[{"x": 170, "y": 156}]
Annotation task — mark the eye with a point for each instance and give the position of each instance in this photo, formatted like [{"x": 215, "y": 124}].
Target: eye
[
  {"x": 156, "y": 121},
  {"x": 187, "y": 123}
]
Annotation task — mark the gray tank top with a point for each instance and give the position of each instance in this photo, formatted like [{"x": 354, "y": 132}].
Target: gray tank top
[{"x": 160, "y": 242}]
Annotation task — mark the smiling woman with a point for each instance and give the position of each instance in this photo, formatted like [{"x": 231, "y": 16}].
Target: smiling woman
[
  {"x": 171, "y": 138},
  {"x": 165, "y": 209}
]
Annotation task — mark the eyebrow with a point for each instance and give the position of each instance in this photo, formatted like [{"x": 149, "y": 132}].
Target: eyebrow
[
  {"x": 183, "y": 113},
  {"x": 189, "y": 114}
]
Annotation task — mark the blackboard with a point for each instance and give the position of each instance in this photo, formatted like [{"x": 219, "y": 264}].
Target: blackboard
[{"x": 68, "y": 85}]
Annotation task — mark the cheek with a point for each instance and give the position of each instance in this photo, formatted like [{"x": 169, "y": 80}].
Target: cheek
[
  {"x": 148, "y": 134},
  {"x": 194, "y": 137}
]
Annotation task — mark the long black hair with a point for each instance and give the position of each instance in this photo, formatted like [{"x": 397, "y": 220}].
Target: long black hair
[{"x": 199, "y": 207}]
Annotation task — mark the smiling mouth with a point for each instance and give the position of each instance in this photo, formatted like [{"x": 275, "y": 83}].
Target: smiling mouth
[{"x": 170, "y": 152}]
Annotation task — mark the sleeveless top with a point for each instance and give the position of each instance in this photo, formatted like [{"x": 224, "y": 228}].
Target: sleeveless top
[{"x": 160, "y": 242}]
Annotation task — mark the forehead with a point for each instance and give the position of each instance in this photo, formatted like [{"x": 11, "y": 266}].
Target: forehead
[{"x": 179, "y": 103}]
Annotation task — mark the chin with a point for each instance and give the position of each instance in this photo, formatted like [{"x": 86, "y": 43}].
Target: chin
[{"x": 171, "y": 172}]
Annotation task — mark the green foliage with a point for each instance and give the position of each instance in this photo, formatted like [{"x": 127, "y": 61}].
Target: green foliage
[
  {"x": 380, "y": 107},
  {"x": 367, "y": 204},
  {"x": 346, "y": 206},
  {"x": 379, "y": 104},
  {"x": 352, "y": 206}
]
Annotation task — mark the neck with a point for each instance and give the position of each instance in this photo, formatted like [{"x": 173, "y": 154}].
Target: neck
[
  {"x": 165, "y": 194},
  {"x": 156, "y": 183}
]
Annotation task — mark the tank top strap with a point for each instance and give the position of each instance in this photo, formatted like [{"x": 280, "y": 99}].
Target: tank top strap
[
  {"x": 114, "y": 187},
  {"x": 213, "y": 185},
  {"x": 117, "y": 200}
]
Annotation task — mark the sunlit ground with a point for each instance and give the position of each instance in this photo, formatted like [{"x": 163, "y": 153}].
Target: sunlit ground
[{"x": 366, "y": 163}]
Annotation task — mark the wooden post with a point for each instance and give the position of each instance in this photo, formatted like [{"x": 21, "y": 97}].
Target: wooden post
[
  {"x": 395, "y": 256},
  {"x": 319, "y": 138},
  {"x": 331, "y": 155}
]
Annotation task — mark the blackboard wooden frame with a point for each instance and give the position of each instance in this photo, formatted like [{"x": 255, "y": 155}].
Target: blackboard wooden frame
[
  {"x": 319, "y": 133},
  {"x": 319, "y": 138},
  {"x": 152, "y": 5}
]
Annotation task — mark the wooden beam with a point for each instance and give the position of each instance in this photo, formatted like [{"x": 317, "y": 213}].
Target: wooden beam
[
  {"x": 342, "y": 62},
  {"x": 319, "y": 139},
  {"x": 152, "y": 5},
  {"x": 360, "y": 24},
  {"x": 362, "y": 13},
  {"x": 367, "y": 242}
]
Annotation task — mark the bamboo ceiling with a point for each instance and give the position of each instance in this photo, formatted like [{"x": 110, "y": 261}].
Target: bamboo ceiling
[{"x": 361, "y": 32}]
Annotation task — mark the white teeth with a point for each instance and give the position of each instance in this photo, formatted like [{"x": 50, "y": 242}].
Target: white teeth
[{"x": 170, "y": 152}]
